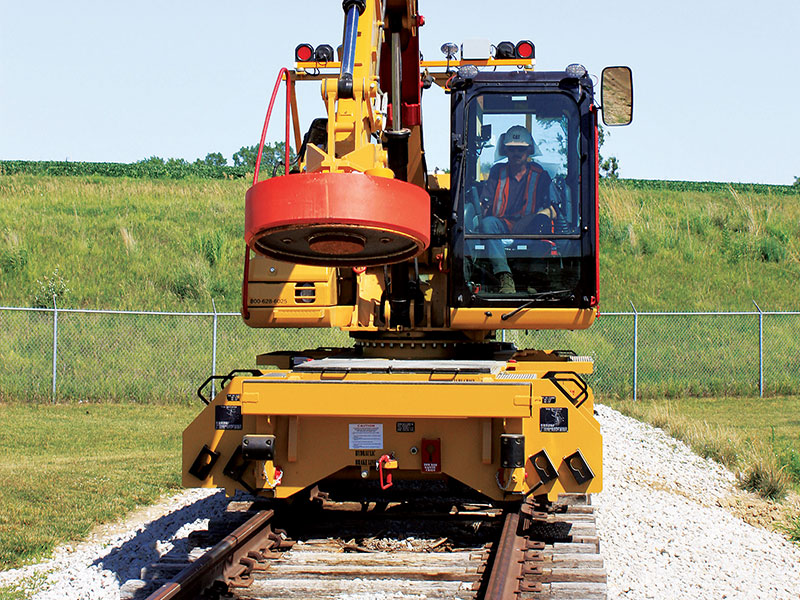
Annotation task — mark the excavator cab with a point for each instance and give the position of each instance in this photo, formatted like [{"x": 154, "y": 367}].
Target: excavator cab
[{"x": 525, "y": 208}]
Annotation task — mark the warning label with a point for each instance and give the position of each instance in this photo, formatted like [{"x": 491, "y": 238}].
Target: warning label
[
  {"x": 227, "y": 417},
  {"x": 553, "y": 420},
  {"x": 366, "y": 436}
]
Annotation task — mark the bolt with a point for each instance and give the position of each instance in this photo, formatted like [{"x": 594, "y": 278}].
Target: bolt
[{"x": 364, "y": 473}]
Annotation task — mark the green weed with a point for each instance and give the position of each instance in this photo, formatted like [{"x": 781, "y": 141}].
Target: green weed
[
  {"x": 765, "y": 477},
  {"x": 793, "y": 530},
  {"x": 189, "y": 281},
  {"x": 211, "y": 246},
  {"x": 50, "y": 290},
  {"x": 790, "y": 457},
  {"x": 13, "y": 260},
  {"x": 771, "y": 249},
  {"x": 13, "y": 255}
]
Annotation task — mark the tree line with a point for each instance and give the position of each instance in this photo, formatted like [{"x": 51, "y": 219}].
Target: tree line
[{"x": 272, "y": 159}]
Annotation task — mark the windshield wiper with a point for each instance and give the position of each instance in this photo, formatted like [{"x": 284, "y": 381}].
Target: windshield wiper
[{"x": 537, "y": 296}]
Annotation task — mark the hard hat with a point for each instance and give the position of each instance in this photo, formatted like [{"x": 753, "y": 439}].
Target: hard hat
[{"x": 518, "y": 136}]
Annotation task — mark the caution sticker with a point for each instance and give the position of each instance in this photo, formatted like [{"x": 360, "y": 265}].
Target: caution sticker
[
  {"x": 553, "y": 420},
  {"x": 366, "y": 436},
  {"x": 227, "y": 417}
]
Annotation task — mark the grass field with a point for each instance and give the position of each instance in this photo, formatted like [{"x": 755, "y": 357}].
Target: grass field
[
  {"x": 175, "y": 245},
  {"x": 123, "y": 243},
  {"x": 66, "y": 468}
]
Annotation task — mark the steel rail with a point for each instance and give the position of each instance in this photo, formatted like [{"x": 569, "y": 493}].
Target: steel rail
[
  {"x": 220, "y": 560},
  {"x": 506, "y": 569}
]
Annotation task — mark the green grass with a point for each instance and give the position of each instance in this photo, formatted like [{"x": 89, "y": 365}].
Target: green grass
[
  {"x": 122, "y": 243},
  {"x": 793, "y": 530},
  {"x": 757, "y": 437},
  {"x": 667, "y": 249},
  {"x": 23, "y": 589},
  {"x": 176, "y": 244},
  {"x": 12, "y": 593},
  {"x": 66, "y": 468}
]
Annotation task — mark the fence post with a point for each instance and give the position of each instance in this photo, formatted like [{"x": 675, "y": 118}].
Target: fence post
[
  {"x": 214, "y": 349},
  {"x": 55, "y": 346},
  {"x": 760, "y": 350},
  {"x": 635, "y": 349}
]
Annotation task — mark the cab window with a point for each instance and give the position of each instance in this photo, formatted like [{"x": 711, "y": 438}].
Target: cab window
[{"x": 521, "y": 208}]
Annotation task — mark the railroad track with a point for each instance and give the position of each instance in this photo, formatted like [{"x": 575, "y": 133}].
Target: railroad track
[{"x": 339, "y": 550}]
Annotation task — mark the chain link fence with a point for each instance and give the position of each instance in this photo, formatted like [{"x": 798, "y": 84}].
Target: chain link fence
[{"x": 68, "y": 355}]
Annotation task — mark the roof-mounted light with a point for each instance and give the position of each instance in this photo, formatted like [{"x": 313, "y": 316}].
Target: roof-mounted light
[
  {"x": 450, "y": 50},
  {"x": 467, "y": 72},
  {"x": 304, "y": 53},
  {"x": 575, "y": 70},
  {"x": 525, "y": 49},
  {"x": 463, "y": 77},
  {"x": 323, "y": 53},
  {"x": 505, "y": 50}
]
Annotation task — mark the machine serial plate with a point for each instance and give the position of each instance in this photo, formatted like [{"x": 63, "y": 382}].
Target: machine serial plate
[
  {"x": 366, "y": 436},
  {"x": 553, "y": 419},
  {"x": 405, "y": 426}
]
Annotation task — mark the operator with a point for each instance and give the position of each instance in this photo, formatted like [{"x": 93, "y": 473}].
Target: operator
[{"x": 517, "y": 199}]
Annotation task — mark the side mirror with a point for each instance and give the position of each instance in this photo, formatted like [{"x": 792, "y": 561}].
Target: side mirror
[{"x": 616, "y": 95}]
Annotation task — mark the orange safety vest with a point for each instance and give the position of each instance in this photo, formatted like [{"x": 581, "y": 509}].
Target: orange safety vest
[{"x": 500, "y": 203}]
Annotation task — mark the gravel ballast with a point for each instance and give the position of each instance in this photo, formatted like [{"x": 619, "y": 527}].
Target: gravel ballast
[{"x": 663, "y": 534}]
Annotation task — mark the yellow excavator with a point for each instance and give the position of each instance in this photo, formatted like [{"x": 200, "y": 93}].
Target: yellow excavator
[{"x": 421, "y": 269}]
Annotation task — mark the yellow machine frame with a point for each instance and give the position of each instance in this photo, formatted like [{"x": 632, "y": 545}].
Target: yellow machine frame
[
  {"x": 309, "y": 414},
  {"x": 400, "y": 385}
]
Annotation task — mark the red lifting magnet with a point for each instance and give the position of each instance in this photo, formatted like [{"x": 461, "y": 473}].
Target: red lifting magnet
[{"x": 337, "y": 219}]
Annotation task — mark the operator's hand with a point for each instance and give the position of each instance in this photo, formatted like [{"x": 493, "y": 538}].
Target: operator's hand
[{"x": 549, "y": 212}]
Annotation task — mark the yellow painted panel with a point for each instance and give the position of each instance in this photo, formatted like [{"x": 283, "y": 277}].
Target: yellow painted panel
[
  {"x": 531, "y": 318},
  {"x": 268, "y": 270},
  {"x": 334, "y": 316},
  {"x": 386, "y": 399}
]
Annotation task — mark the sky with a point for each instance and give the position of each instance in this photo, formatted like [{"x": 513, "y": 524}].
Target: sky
[{"x": 715, "y": 82}]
